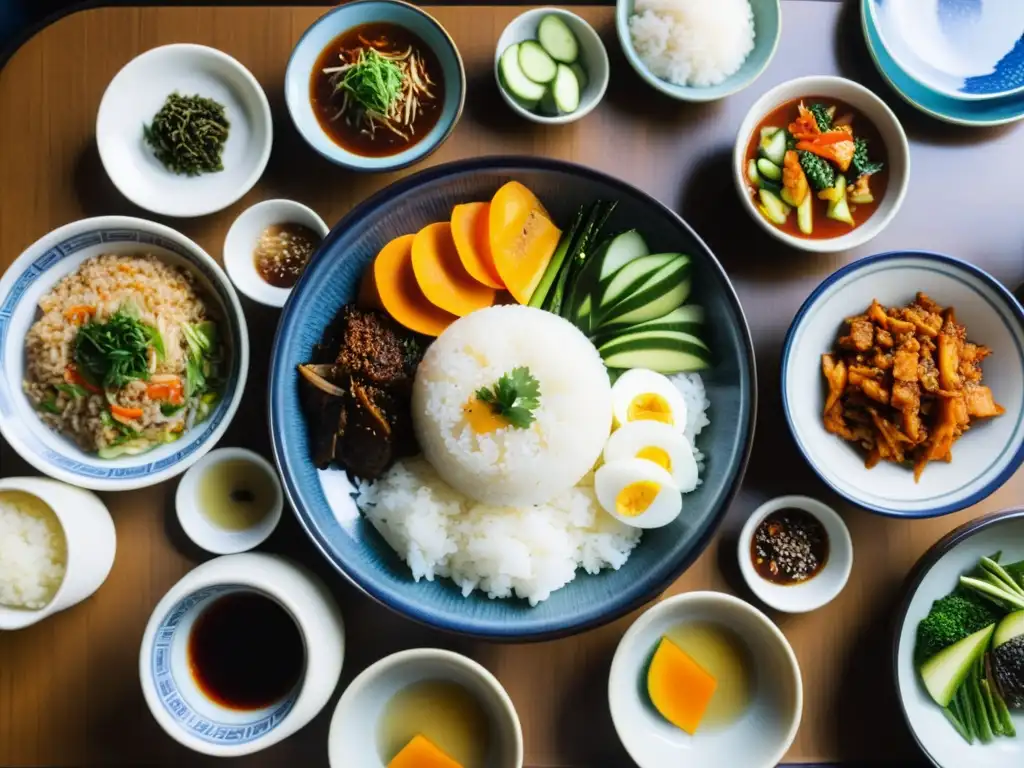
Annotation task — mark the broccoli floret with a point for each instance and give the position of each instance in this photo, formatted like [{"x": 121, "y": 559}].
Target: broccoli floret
[
  {"x": 862, "y": 166},
  {"x": 821, "y": 117},
  {"x": 951, "y": 619},
  {"x": 819, "y": 173}
]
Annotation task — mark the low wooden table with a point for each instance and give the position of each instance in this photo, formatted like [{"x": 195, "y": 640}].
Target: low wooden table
[{"x": 69, "y": 689}]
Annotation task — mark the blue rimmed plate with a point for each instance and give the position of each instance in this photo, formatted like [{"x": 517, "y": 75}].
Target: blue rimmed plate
[
  {"x": 984, "y": 458},
  {"x": 988, "y": 112},
  {"x": 322, "y": 498},
  {"x": 935, "y": 576}
]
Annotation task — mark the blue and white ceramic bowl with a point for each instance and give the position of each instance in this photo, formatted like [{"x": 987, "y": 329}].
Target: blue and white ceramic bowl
[
  {"x": 323, "y": 499},
  {"x": 935, "y": 576},
  {"x": 32, "y": 275},
  {"x": 964, "y": 49},
  {"x": 352, "y": 14},
  {"x": 983, "y": 459}
]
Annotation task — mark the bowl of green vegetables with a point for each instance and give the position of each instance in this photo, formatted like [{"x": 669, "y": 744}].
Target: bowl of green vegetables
[{"x": 959, "y": 646}]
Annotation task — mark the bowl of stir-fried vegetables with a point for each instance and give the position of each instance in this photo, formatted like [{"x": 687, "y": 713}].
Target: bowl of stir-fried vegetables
[{"x": 821, "y": 164}]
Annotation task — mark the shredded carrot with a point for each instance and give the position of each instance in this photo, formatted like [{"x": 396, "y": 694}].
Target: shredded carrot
[
  {"x": 832, "y": 137},
  {"x": 171, "y": 391},
  {"x": 72, "y": 376},
  {"x": 125, "y": 413},
  {"x": 79, "y": 313}
]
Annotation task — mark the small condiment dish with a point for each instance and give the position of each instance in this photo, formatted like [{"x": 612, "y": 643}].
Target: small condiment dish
[
  {"x": 196, "y": 522},
  {"x": 816, "y": 591},
  {"x": 242, "y": 238},
  {"x": 352, "y": 742},
  {"x": 138, "y": 92},
  {"x": 593, "y": 58},
  {"x": 760, "y": 736}
]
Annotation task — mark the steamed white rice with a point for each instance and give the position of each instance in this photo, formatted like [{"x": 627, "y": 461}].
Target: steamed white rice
[
  {"x": 527, "y": 551},
  {"x": 33, "y": 551},
  {"x": 692, "y": 42}
]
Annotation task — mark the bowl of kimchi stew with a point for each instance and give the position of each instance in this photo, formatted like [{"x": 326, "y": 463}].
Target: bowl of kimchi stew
[
  {"x": 821, "y": 163},
  {"x": 903, "y": 383}
]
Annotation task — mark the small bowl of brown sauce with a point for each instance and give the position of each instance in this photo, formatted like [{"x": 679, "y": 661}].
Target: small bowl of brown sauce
[
  {"x": 229, "y": 501},
  {"x": 375, "y": 85},
  {"x": 795, "y": 554},
  {"x": 268, "y": 247}
]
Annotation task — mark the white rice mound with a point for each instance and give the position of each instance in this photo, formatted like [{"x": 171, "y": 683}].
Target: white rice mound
[
  {"x": 512, "y": 466},
  {"x": 33, "y": 551},
  {"x": 528, "y": 551},
  {"x": 692, "y": 42}
]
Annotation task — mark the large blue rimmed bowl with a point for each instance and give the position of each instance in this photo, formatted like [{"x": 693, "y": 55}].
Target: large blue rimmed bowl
[
  {"x": 33, "y": 274},
  {"x": 987, "y": 454},
  {"x": 322, "y": 498},
  {"x": 353, "y": 14}
]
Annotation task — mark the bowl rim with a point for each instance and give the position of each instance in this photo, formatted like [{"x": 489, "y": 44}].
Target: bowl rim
[
  {"x": 916, "y": 74},
  {"x": 686, "y": 93},
  {"x": 233, "y": 309},
  {"x": 511, "y": 634},
  {"x": 414, "y": 656},
  {"x": 809, "y": 302},
  {"x": 916, "y": 575},
  {"x": 668, "y": 605},
  {"x": 263, "y": 116},
  {"x": 875, "y": 224},
  {"x": 344, "y": 162},
  {"x": 840, "y": 554},
  {"x": 571, "y": 117}
]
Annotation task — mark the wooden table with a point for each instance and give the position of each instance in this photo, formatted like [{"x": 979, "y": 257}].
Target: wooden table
[{"x": 69, "y": 690}]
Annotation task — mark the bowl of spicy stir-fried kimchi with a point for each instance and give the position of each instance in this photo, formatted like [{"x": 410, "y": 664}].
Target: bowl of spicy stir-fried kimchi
[{"x": 903, "y": 383}]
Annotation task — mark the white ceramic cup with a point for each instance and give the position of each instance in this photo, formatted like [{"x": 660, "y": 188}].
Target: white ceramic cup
[
  {"x": 91, "y": 543},
  {"x": 176, "y": 701}
]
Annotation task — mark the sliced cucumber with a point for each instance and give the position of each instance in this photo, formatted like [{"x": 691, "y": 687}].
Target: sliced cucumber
[
  {"x": 629, "y": 279},
  {"x": 581, "y": 75},
  {"x": 768, "y": 169},
  {"x": 557, "y": 39},
  {"x": 772, "y": 207},
  {"x": 662, "y": 351},
  {"x": 610, "y": 256},
  {"x": 774, "y": 147},
  {"x": 566, "y": 90},
  {"x": 547, "y": 106},
  {"x": 805, "y": 214},
  {"x": 839, "y": 209},
  {"x": 768, "y": 131},
  {"x": 752, "y": 175},
  {"x": 535, "y": 62},
  {"x": 128, "y": 448},
  {"x": 686, "y": 319},
  {"x": 518, "y": 84},
  {"x": 665, "y": 291}
]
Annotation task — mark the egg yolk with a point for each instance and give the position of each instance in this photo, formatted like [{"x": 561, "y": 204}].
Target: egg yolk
[
  {"x": 649, "y": 406},
  {"x": 657, "y": 455},
  {"x": 635, "y": 498},
  {"x": 482, "y": 418}
]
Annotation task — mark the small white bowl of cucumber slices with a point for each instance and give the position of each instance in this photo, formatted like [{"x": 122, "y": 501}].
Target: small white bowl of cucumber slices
[{"x": 551, "y": 66}]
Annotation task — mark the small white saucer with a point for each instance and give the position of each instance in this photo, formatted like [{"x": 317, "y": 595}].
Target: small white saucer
[
  {"x": 823, "y": 587},
  {"x": 211, "y": 537},
  {"x": 138, "y": 92},
  {"x": 241, "y": 242}
]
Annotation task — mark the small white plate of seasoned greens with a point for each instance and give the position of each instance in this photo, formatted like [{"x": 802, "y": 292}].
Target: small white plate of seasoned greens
[
  {"x": 959, "y": 651},
  {"x": 551, "y": 66}
]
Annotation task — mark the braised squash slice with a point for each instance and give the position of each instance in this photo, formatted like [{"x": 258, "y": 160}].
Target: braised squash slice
[
  {"x": 523, "y": 239},
  {"x": 441, "y": 276},
  {"x": 470, "y": 230},
  {"x": 392, "y": 285}
]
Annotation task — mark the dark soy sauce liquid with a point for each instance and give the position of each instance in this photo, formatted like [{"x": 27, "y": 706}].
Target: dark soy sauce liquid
[{"x": 245, "y": 651}]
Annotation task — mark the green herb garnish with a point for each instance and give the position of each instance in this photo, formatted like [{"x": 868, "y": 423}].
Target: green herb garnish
[
  {"x": 169, "y": 409},
  {"x": 374, "y": 82},
  {"x": 188, "y": 134},
  {"x": 112, "y": 353},
  {"x": 71, "y": 390},
  {"x": 50, "y": 405},
  {"x": 515, "y": 397},
  {"x": 822, "y": 116},
  {"x": 862, "y": 165}
]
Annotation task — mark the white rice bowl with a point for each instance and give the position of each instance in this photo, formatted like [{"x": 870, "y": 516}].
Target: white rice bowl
[{"x": 511, "y": 466}]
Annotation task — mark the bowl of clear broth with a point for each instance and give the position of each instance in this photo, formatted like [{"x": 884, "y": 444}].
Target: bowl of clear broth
[
  {"x": 821, "y": 163},
  {"x": 375, "y": 85},
  {"x": 421, "y": 707}
]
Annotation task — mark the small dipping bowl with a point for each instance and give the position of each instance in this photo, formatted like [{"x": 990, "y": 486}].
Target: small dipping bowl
[
  {"x": 352, "y": 742},
  {"x": 242, "y": 238},
  {"x": 820, "y": 589},
  {"x": 199, "y": 522},
  {"x": 763, "y": 732}
]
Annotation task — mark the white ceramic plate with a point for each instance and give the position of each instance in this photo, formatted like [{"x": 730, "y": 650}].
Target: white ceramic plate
[
  {"x": 935, "y": 576},
  {"x": 138, "y": 92}
]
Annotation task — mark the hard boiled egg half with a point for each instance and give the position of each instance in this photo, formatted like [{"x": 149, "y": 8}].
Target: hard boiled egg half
[
  {"x": 659, "y": 443},
  {"x": 644, "y": 395},
  {"x": 638, "y": 492}
]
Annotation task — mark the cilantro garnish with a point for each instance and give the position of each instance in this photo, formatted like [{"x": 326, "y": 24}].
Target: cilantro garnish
[{"x": 514, "y": 397}]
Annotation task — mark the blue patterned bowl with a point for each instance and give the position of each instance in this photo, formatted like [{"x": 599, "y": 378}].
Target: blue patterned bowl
[
  {"x": 322, "y": 498},
  {"x": 353, "y": 14},
  {"x": 964, "y": 49},
  {"x": 32, "y": 275}
]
